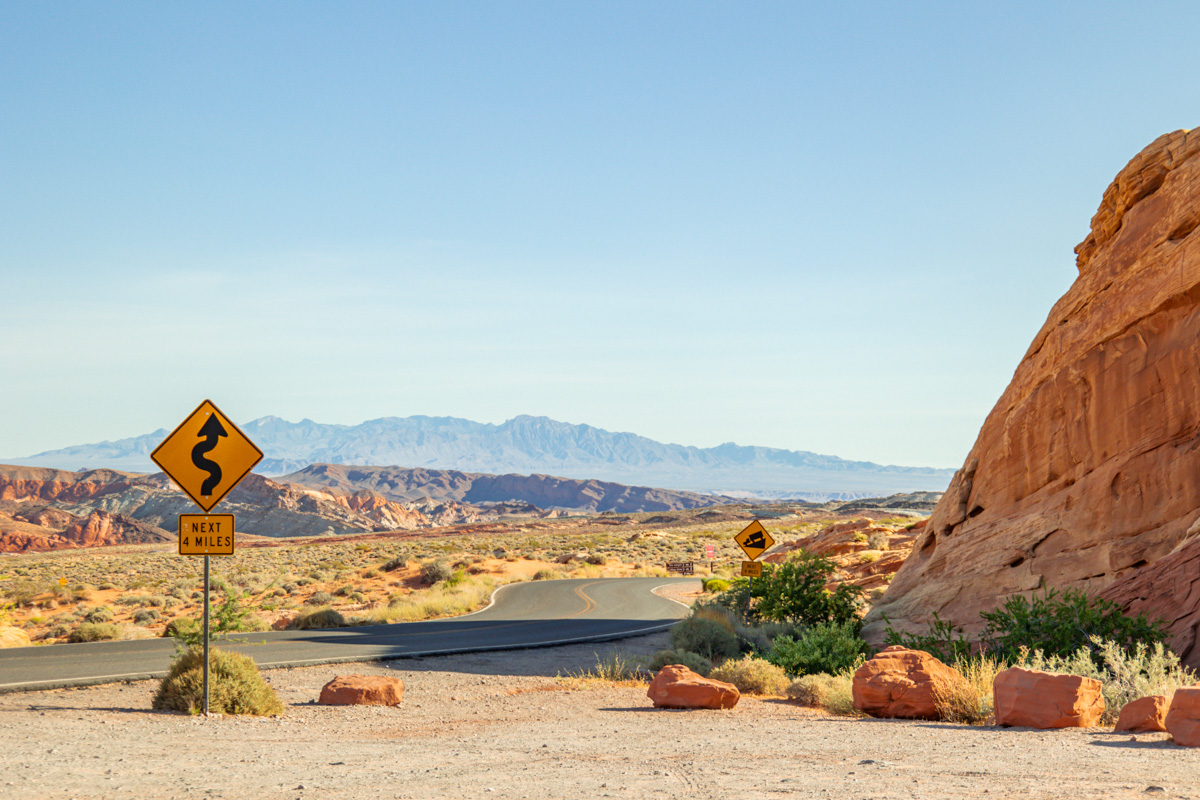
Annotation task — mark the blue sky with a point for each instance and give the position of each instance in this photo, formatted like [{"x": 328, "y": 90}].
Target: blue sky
[{"x": 826, "y": 227}]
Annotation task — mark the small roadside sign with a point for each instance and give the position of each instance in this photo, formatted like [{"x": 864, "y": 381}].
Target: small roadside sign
[
  {"x": 751, "y": 569},
  {"x": 754, "y": 540},
  {"x": 681, "y": 567},
  {"x": 207, "y": 455},
  {"x": 206, "y": 534},
  {"x": 710, "y": 551}
]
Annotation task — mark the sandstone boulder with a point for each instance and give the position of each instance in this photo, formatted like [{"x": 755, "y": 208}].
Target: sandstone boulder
[
  {"x": 1031, "y": 698},
  {"x": 899, "y": 682},
  {"x": 676, "y": 686},
  {"x": 14, "y": 637},
  {"x": 362, "y": 690},
  {"x": 1183, "y": 717},
  {"x": 1087, "y": 470},
  {"x": 1144, "y": 715}
]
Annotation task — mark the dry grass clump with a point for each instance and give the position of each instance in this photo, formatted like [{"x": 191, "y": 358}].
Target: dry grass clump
[
  {"x": 94, "y": 632},
  {"x": 442, "y": 600},
  {"x": 235, "y": 685},
  {"x": 752, "y": 675},
  {"x": 833, "y": 693},
  {"x": 613, "y": 668},
  {"x": 320, "y": 618},
  {"x": 968, "y": 701},
  {"x": 696, "y": 663}
]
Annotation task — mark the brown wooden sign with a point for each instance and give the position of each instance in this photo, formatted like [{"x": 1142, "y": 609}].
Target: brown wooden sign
[{"x": 681, "y": 567}]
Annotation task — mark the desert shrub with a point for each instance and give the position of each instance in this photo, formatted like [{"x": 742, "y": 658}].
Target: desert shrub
[
  {"x": 706, "y": 637},
  {"x": 106, "y": 586},
  {"x": 94, "y": 632},
  {"x": 794, "y": 591},
  {"x": 144, "y": 616},
  {"x": 943, "y": 641},
  {"x": 391, "y": 565},
  {"x": 545, "y": 574},
  {"x": 613, "y": 667},
  {"x": 597, "y": 559},
  {"x": 716, "y": 585},
  {"x": 1060, "y": 625},
  {"x": 235, "y": 685},
  {"x": 877, "y": 540},
  {"x": 1125, "y": 674},
  {"x": 751, "y": 675},
  {"x": 833, "y": 693},
  {"x": 968, "y": 701},
  {"x": 457, "y": 577},
  {"x": 187, "y": 630},
  {"x": 320, "y": 618},
  {"x": 319, "y": 599},
  {"x": 435, "y": 571},
  {"x": 99, "y": 614},
  {"x": 696, "y": 663},
  {"x": 828, "y": 647}
]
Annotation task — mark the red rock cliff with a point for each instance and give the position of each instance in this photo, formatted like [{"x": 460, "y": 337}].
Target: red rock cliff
[{"x": 1088, "y": 468}]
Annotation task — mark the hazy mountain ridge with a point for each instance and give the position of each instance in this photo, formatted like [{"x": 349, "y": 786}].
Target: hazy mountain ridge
[{"x": 529, "y": 445}]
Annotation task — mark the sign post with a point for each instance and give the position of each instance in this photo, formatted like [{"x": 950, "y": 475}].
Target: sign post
[
  {"x": 754, "y": 541},
  {"x": 206, "y": 456},
  {"x": 709, "y": 553}
]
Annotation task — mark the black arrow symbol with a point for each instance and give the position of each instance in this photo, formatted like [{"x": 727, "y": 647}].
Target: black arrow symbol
[{"x": 212, "y": 431}]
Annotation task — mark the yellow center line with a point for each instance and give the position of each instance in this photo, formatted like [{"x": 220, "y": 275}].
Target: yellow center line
[{"x": 589, "y": 603}]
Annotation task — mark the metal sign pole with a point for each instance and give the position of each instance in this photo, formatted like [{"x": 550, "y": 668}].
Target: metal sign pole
[{"x": 206, "y": 585}]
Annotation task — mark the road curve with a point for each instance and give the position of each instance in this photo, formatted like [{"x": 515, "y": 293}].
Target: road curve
[{"x": 537, "y": 614}]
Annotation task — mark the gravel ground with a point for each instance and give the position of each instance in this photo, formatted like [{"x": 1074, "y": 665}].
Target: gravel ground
[{"x": 502, "y": 725}]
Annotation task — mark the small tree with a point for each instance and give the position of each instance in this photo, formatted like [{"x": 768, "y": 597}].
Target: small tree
[{"x": 794, "y": 591}]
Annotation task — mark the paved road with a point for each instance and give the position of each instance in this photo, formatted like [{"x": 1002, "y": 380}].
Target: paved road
[{"x": 536, "y": 614}]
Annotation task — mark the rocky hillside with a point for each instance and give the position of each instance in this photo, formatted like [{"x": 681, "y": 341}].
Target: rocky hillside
[
  {"x": 543, "y": 491},
  {"x": 533, "y": 445},
  {"x": 44, "y": 509},
  {"x": 1086, "y": 474}
]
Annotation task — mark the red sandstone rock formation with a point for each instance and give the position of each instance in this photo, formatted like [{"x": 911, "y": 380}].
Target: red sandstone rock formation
[
  {"x": 1183, "y": 718},
  {"x": 676, "y": 686},
  {"x": 1031, "y": 698},
  {"x": 362, "y": 690},
  {"x": 901, "y": 683},
  {"x": 101, "y": 528},
  {"x": 1144, "y": 715},
  {"x": 1088, "y": 468},
  {"x": 848, "y": 545}
]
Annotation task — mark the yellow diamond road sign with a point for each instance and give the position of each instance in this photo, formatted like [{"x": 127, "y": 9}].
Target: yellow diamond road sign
[
  {"x": 206, "y": 455},
  {"x": 755, "y": 540}
]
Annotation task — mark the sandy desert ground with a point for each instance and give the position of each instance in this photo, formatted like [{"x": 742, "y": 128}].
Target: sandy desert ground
[{"x": 507, "y": 725}]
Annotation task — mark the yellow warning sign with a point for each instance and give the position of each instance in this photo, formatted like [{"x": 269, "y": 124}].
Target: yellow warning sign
[
  {"x": 207, "y": 455},
  {"x": 206, "y": 534},
  {"x": 751, "y": 569},
  {"x": 755, "y": 540}
]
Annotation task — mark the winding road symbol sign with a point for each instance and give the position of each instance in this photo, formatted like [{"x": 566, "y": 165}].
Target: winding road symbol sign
[
  {"x": 754, "y": 540},
  {"x": 207, "y": 455}
]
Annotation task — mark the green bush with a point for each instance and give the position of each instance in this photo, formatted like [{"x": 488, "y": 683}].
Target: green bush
[
  {"x": 828, "y": 647},
  {"x": 187, "y": 630},
  {"x": 716, "y": 585},
  {"x": 696, "y": 663},
  {"x": 235, "y": 685},
  {"x": 706, "y": 637},
  {"x": 751, "y": 675},
  {"x": 545, "y": 574},
  {"x": 320, "y": 618},
  {"x": 1059, "y": 625},
  {"x": 794, "y": 591},
  {"x": 399, "y": 562},
  {"x": 94, "y": 632},
  {"x": 319, "y": 599}
]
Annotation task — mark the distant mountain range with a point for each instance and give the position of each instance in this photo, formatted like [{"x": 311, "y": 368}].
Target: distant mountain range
[{"x": 532, "y": 445}]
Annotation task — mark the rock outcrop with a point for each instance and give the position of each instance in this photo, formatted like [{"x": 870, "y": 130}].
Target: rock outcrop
[
  {"x": 676, "y": 686},
  {"x": 362, "y": 690},
  {"x": 1183, "y": 718},
  {"x": 902, "y": 683},
  {"x": 1031, "y": 698},
  {"x": 1144, "y": 715},
  {"x": 1087, "y": 470}
]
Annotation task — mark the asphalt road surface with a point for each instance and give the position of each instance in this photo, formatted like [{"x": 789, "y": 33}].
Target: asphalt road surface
[{"x": 536, "y": 614}]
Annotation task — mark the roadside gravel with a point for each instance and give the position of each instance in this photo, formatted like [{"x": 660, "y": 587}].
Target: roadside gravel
[{"x": 503, "y": 725}]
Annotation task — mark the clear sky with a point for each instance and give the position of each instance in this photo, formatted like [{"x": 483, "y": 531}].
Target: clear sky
[{"x": 831, "y": 227}]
